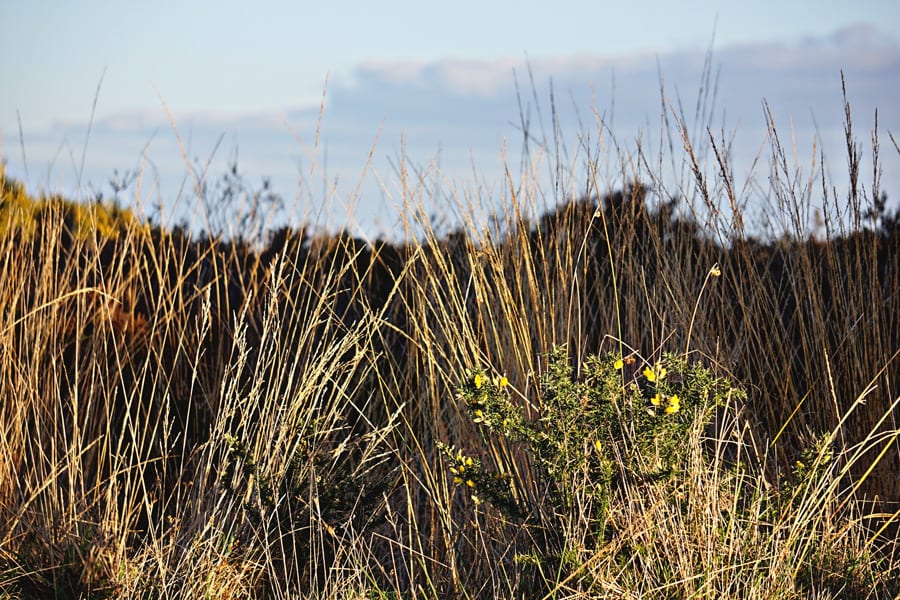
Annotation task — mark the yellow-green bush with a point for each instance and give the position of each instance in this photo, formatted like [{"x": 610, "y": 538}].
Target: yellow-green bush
[
  {"x": 624, "y": 419},
  {"x": 23, "y": 213}
]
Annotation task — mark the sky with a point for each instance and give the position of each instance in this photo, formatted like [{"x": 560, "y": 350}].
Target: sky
[{"x": 97, "y": 87}]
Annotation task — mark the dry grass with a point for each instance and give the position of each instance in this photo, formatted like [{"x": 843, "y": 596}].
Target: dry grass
[{"x": 205, "y": 419}]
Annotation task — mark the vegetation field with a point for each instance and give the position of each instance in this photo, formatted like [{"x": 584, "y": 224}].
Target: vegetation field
[{"x": 642, "y": 392}]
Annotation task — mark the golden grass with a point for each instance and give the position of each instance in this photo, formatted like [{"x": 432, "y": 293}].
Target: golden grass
[{"x": 206, "y": 419}]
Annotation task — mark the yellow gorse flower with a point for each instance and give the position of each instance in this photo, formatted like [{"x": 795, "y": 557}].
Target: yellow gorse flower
[
  {"x": 655, "y": 373},
  {"x": 459, "y": 471},
  {"x": 674, "y": 404},
  {"x": 503, "y": 382},
  {"x": 480, "y": 378},
  {"x": 619, "y": 364}
]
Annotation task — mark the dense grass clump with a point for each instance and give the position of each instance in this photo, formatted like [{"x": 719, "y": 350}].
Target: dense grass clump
[{"x": 628, "y": 396}]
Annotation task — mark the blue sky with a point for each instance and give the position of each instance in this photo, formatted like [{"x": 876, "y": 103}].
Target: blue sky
[{"x": 432, "y": 80}]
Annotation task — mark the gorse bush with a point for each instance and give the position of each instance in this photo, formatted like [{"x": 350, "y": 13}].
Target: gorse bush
[
  {"x": 624, "y": 421},
  {"x": 23, "y": 215}
]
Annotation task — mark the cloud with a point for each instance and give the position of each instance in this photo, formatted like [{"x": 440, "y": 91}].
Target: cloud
[
  {"x": 463, "y": 111},
  {"x": 772, "y": 67}
]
